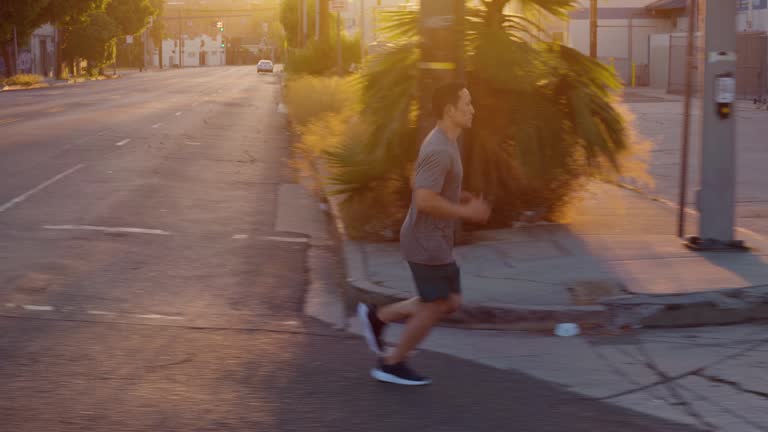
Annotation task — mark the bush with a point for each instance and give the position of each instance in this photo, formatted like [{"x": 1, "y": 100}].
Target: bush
[
  {"x": 24, "y": 80},
  {"x": 326, "y": 113},
  {"x": 319, "y": 58},
  {"x": 310, "y": 98}
]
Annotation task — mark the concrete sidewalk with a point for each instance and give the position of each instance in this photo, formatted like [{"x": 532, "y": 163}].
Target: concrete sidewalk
[{"x": 615, "y": 263}]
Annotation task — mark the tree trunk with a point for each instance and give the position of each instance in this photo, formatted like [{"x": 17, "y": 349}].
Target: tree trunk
[
  {"x": 495, "y": 15},
  {"x": 8, "y": 59},
  {"x": 160, "y": 54}
]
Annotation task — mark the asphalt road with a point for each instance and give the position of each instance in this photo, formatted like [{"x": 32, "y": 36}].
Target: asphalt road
[{"x": 143, "y": 286}]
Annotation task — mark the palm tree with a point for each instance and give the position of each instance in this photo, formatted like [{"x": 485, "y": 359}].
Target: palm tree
[{"x": 546, "y": 116}]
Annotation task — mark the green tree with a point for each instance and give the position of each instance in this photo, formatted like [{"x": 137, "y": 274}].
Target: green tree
[
  {"x": 21, "y": 16},
  {"x": 157, "y": 32},
  {"x": 545, "y": 118},
  {"x": 66, "y": 15},
  {"x": 132, "y": 16},
  {"x": 93, "y": 39},
  {"x": 290, "y": 16}
]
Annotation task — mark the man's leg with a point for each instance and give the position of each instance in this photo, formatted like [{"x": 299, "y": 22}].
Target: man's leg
[
  {"x": 400, "y": 311},
  {"x": 421, "y": 323}
]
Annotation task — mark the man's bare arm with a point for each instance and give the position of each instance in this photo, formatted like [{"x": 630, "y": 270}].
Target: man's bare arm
[{"x": 432, "y": 203}]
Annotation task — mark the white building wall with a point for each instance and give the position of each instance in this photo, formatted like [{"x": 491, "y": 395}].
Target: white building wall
[
  {"x": 215, "y": 54},
  {"x": 615, "y": 19},
  {"x": 759, "y": 17},
  {"x": 659, "y": 61}
]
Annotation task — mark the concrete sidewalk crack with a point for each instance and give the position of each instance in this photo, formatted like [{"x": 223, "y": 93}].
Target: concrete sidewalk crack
[{"x": 733, "y": 384}]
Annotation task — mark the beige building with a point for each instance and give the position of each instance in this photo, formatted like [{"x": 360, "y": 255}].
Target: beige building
[{"x": 624, "y": 31}]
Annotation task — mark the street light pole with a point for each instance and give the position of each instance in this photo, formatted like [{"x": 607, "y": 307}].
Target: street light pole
[{"x": 716, "y": 199}]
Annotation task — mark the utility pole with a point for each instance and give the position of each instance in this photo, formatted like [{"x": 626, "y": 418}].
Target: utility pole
[
  {"x": 442, "y": 39},
  {"x": 716, "y": 199},
  {"x": 593, "y": 28}
]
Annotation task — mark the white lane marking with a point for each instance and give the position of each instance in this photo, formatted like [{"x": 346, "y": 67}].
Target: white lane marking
[
  {"x": 95, "y": 312},
  {"x": 286, "y": 239},
  {"x": 10, "y": 305},
  {"x": 107, "y": 229},
  {"x": 240, "y": 236},
  {"x": 123, "y": 142},
  {"x": 178, "y": 113},
  {"x": 154, "y": 316},
  {"x": 26, "y": 195},
  {"x": 157, "y": 125},
  {"x": 37, "y": 308},
  {"x": 192, "y": 143}
]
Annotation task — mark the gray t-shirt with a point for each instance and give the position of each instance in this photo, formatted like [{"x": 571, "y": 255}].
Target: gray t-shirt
[{"x": 427, "y": 239}]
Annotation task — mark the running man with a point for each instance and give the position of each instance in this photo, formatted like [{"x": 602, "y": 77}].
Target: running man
[{"x": 427, "y": 239}]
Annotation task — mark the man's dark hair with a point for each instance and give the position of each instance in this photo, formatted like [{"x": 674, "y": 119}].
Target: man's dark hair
[{"x": 444, "y": 95}]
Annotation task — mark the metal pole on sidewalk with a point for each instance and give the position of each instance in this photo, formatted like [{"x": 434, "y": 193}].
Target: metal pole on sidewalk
[
  {"x": 690, "y": 63},
  {"x": 338, "y": 43},
  {"x": 593, "y": 28},
  {"x": 179, "y": 47},
  {"x": 716, "y": 199},
  {"x": 362, "y": 31}
]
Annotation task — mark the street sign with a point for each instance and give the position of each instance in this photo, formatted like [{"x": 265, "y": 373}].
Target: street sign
[
  {"x": 129, "y": 39},
  {"x": 338, "y": 6}
]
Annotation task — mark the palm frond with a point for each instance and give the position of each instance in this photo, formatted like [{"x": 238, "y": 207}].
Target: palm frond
[
  {"x": 556, "y": 8},
  {"x": 399, "y": 24}
]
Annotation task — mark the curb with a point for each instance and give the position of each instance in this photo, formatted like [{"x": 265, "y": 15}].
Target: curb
[
  {"x": 474, "y": 315},
  {"x": 20, "y": 87},
  {"x": 726, "y": 306},
  {"x": 57, "y": 83}
]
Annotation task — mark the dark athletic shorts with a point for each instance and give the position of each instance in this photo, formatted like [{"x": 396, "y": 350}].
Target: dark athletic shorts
[{"x": 436, "y": 282}]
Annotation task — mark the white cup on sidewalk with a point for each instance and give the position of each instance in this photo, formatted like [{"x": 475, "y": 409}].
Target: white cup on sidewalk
[{"x": 567, "y": 329}]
